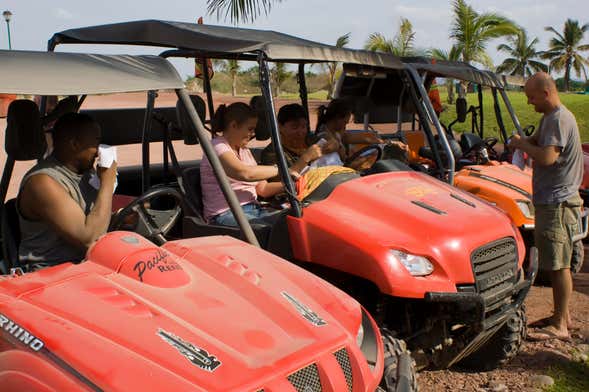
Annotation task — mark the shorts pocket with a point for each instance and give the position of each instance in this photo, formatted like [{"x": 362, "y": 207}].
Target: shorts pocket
[{"x": 554, "y": 236}]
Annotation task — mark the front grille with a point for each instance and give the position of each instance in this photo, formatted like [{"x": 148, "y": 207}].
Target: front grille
[
  {"x": 306, "y": 380},
  {"x": 344, "y": 361},
  {"x": 495, "y": 270}
]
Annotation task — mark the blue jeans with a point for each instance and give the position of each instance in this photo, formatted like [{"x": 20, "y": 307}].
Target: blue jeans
[{"x": 252, "y": 211}]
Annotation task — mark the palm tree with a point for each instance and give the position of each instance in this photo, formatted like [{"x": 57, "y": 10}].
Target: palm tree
[
  {"x": 452, "y": 55},
  {"x": 564, "y": 50},
  {"x": 231, "y": 66},
  {"x": 341, "y": 42},
  {"x": 240, "y": 10},
  {"x": 472, "y": 32},
  {"x": 522, "y": 55},
  {"x": 400, "y": 45}
]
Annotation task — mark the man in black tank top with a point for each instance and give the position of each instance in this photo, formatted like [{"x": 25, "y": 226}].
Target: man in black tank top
[{"x": 60, "y": 213}]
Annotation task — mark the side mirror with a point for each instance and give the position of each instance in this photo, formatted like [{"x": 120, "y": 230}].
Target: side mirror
[{"x": 461, "y": 109}]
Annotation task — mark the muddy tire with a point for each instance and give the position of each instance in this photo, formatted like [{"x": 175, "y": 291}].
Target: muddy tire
[
  {"x": 502, "y": 346},
  {"x": 399, "y": 367}
]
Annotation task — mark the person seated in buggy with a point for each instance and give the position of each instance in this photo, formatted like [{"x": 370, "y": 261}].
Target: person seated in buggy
[
  {"x": 331, "y": 126},
  {"x": 293, "y": 128},
  {"x": 60, "y": 213},
  {"x": 237, "y": 123}
]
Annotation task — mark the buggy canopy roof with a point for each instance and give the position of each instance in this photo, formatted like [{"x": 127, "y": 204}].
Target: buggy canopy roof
[
  {"x": 455, "y": 70},
  {"x": 46, "y": 73},
  {"x": 220, "y": 41}
]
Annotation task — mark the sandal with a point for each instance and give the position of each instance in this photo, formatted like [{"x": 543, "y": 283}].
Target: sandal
[{"x": 547, "y": 333}]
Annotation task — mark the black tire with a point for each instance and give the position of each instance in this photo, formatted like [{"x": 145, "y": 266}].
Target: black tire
[
  {"x": 399, "y": 367},
  {"x": 501, "y": 347}
]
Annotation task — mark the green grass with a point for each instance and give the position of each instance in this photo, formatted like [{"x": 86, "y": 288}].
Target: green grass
[
  {"x": 578, "y": 104},
  {"x": 570, "y": 377},
  {"x": 321, "y": 95}
]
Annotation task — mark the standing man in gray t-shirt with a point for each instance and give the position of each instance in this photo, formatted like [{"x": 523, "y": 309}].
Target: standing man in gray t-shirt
[{"x": 558, "y": 170}]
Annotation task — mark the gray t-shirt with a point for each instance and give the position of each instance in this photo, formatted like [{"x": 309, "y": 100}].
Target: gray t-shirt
[
  {"x": 560, "y": 181},
  {"x": 39, "y": 242}
]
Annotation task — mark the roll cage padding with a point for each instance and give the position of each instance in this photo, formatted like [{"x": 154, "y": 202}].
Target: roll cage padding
[{"x": 125, "y": 126}]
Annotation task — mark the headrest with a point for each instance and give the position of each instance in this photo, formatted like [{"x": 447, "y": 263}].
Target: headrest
[
  {"x": 64, "y": 106},
  {"x": 258, "y": 103},
  {"x": 184, "y": 121},
  {"x": 25, "y": 139},
  {"x": 470, "y": 141}
]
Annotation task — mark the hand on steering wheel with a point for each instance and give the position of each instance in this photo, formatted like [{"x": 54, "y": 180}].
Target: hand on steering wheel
[
  {"x": 156, "y": 223},
  {"x": 490, "y": 142}
]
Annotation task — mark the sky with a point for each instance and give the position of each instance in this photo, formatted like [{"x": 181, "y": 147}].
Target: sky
[{"x": 34, "y": 22}]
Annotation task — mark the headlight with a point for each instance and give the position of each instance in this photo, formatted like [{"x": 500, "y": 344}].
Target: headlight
[
  {"x": 415, "y": 265},
  {"x": 360, "y": 336},
  {"x": 526, "y": 208}
]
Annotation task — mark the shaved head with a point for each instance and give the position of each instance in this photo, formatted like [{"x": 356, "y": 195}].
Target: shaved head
[
  {"x": 542, "y": 81},
  {"x": 542, "y": 93}
]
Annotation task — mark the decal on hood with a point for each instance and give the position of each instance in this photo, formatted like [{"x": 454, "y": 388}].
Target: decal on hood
[
  {"x": 307, "y": 313},
  {"x": 420, "y": 191},
  {"x": 20, "y": 334},
  {"x": 160, "y": 261},
  {"x": 198, "y": 356}
]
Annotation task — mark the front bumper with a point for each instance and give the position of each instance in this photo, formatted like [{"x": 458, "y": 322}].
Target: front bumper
[{"x": 488, "y": 326}]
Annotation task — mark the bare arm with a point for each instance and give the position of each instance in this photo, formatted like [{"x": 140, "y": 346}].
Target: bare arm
[
  {"x": 44, "y": 199},
  {"x": 309, "y": 155},
  {"x": 242, "y": 172},
  {"x": 269, "y": 189},
  {"x": 544, "y": 156}
]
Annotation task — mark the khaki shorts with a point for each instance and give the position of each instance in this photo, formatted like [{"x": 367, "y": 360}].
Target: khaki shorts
[{"x": 556, "y": 224}]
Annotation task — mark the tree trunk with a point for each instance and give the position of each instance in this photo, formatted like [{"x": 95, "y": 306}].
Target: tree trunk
[
  {"x": 463, "y": 89},
  {"x": 331, "y": 83},
  {"x": 234, "y": 85},
  {"x": 567, "y": 75},
  {"x": 450, "y": 88}
]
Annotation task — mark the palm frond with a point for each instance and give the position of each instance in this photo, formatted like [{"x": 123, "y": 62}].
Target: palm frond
[
  {"x": 343, "y": 40},
  {"x": 538, "y": 66},
  {"x": 472, "y": 31},
  {"x": 377, "y": 42},
  {"x": 239, "y": 10}
]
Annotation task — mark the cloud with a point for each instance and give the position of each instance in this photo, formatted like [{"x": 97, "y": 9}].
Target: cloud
[{"x": 61, "y": 13}]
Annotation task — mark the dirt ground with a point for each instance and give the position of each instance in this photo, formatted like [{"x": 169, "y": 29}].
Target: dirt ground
[{"x": 535, "y": 357}]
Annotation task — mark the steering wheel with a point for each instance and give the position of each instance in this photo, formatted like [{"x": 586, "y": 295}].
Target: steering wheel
[
  {"x": 490, "y": 142},
  {"x": 363, "y": 151},
  {"x": 151, "y": 223},
  {"x": 529, "y": 130}
]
